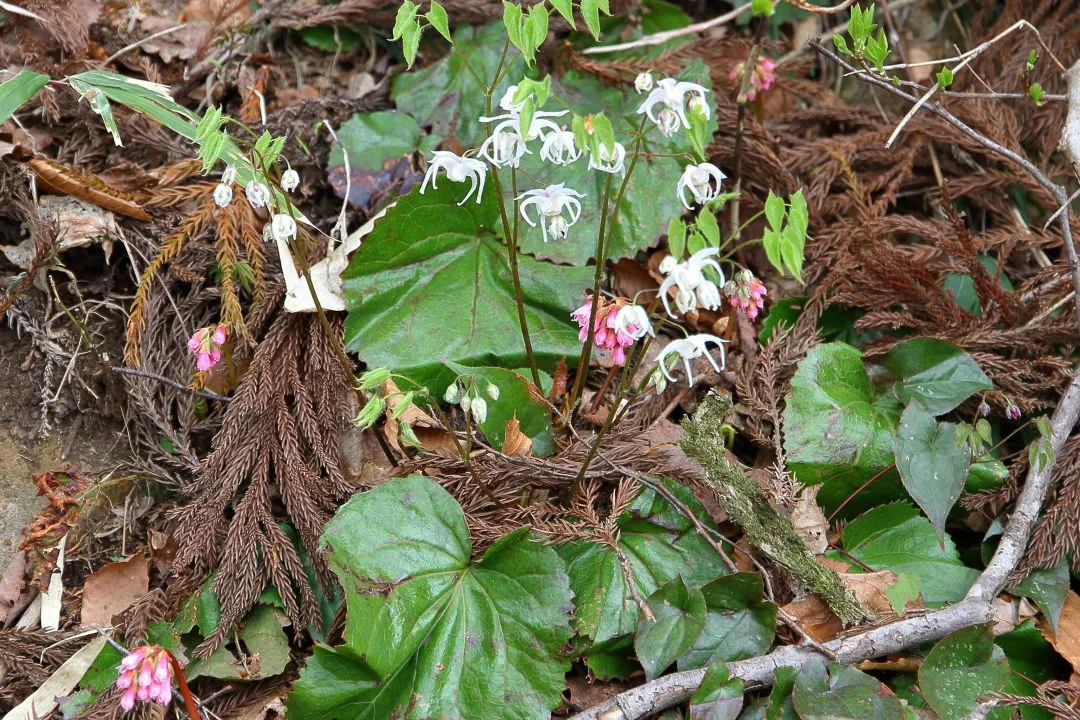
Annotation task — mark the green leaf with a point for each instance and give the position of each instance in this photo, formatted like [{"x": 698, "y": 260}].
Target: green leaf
[
  {"x": 770, "y": 240},
  {"x": 446, "y": 636},
  {"x": 512, "y": 17},
  {"x": 406, "y": 15},
  {"x": 844, "y": 693},
  {"x": 436, "y": 15},
  {"x": 738, "y": 624},
  {"x": 678, "y": 618},
  {"x": 938, "y": 373},
  {"x": 1031, "y": 660},
  {"x": 836, "y": 431},
  {"x": 944, "y": 77},
  {"x": 536, "y": 26},
  {"x": 515, "y": 400},
  {"x": 410, "y": 43},
  {"x": 798, "y": 214},
  {"x": 19, "y": 90},
  {"x": 331, "y": 38},
  {"x": 904, "y": 590},
  {"x": 718, "y": 697},
  {"x": 706, "y": 223},
  {"x": 775, "y": 210},
  {"x": 780, "y": 706},
  {"x": 432, "y": 283},
  {"x": 931, "y": 465},
  {"x": 896, "y": 537},
  {"x": 676, "y": 237},
  {"x": 370, "y": 139},
  {"x": 590, "y": 13},
  {"x": 762, "y": 7},
  {"x": 1048, "y": 589},
  {"x": 785, "y": 312},
  {"x": 1035, "y": 92},
  {"x": 566, "y": 9},
  {"x": 445, "y": 96},
  {"x": 659, "y": 544},
  {"x": 963, "y": 667},
  {"x": 841, "y": 44},
  {"x": 614, "y": 659},
  {"x": 791, "y": 250}
]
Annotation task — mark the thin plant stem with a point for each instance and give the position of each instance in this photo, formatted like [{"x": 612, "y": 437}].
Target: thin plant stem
[
  {"x": 744, "y": 90},
  {"x": 466, "y": 458},
  {"x": 586, "y": 348}
]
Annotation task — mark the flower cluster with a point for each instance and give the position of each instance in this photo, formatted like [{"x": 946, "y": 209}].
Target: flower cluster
[
  {"x": 746, "y": 293},
  {"x": 468, "y": 398},
  {"x": 668, "y": 101},
  {"x": 762, "y": 79},
  {"x": 206, "y": 343},
  {"x": 618, "y": 323},
  {"x": 282, "y": 226},
  {"x": 689, "y": 277},
  {"x": 145, "y": 676}
]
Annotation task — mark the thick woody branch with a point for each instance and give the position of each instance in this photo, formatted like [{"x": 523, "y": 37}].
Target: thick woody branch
[{"x": 975, "y": 609}]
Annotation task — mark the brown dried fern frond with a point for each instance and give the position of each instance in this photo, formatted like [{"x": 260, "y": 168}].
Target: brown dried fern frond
[
  {"x": 278, "y": 440},
  {"x": 229, "y": 238}
]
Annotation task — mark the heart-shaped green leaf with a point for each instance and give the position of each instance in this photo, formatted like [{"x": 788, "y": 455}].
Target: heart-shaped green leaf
[
  {"x": 678, "y": 616},
  {"x": 963, "y": 667},
  {"x": 738, "y": 624},
  {"x": 844, "y": 693},
  {"x": 939, "y": 374}
]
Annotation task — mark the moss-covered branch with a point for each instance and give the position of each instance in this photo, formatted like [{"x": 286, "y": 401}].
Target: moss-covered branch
[{"x": 766, "y": 529}]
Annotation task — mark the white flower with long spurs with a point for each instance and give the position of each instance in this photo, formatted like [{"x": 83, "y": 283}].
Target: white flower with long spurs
[
  {"x": 507, "y": 102},
  {"x": 540, "y": 126},
  {"x": 671, "y": 93},
  {"x": 550, "y": 203},
  {"x": 688, "y": 276},
  {"x": 689, "y": 348},
  {"x": 703, "y": 182},
  {"x": 610, "y": 160},
  {"x": 458, "y": 169},
  {"x": 667, "y": 121},
  {"x": 559, "y": 148},
  {"x": 504, "y": 148}
]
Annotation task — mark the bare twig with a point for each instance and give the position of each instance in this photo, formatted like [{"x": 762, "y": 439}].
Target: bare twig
[
  {"x": 171, "y": 383},
  {"x": 662, "y": 37}
]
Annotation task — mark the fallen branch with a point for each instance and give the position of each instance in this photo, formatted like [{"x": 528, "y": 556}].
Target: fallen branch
[{"x": 975, "y": 608}]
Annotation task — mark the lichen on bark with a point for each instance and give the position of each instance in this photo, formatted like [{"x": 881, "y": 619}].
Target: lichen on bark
[{"x": 767, "y": 530}]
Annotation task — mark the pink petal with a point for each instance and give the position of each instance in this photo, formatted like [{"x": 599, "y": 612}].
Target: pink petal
[
  {"x": 127, "y": 700},
  {"x": 203, "y": 362},
  {"x": 618, "y": 357},
  {"x": 218, "y": 338}
]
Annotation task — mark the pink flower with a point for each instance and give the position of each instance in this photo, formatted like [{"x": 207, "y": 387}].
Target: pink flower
[
  {"x": 146, "y": 677},
  {"x": 206, "y": 343},
  {"x": 762, "y": 79},
  {"x": 608, "y": 334},
  {"x": 746, "y": 293},
  {"x": 218, "y": 338}
]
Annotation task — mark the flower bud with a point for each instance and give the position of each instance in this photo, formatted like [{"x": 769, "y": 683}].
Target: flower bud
[
  {"x": 369, "y": 413},
  {"x": 479, "y": 409},
  {"x": 218, "y": 338},
  {"x": 257, "y": 194},
  {"x": 1012, "y": 412},
  {"x": 283, "y": 227},
  {"x": 228, "y": 175},
  {"x": 374, "y": 377},
  {"x": 223, "y": 195},
  {"x": 984, "y": 409},
  {"x": 290, "y": 179},
  {"x": 493, "y": 391},
  {"x": 452, "y": 394},
  {"x": 643, "y": 82},
  {"x": 466, "y": 403}
]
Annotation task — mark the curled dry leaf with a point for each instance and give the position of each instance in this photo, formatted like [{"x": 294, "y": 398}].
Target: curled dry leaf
[
  {"x": 12, "y": 584},
  {"x": 809, "y": 521},
  {"x": 515, "y": 441},
  {"x": 1067, "y": 639},
  {"x": 62, "y": 180}
]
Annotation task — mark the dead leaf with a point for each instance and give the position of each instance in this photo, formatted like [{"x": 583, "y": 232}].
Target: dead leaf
[
  {"x": 163, "y": 547},
  {"x": 113, "y": 589},
  {"x": 581, "y": 693},
  {"x": 516, "y": 442},
  {"x": 1067, "y": 640},
  {"x": 80, "y": 223},
  {"x": 814, "y": 616},
  {"x": 433, "y": 439},
  {"x": 12, "y": 584},
  {"x": 62, "y": 180},
  {"x": 809, "y": 521}
]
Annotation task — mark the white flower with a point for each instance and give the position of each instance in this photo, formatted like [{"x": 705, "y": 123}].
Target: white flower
[
  {"x": 223, "y": 194},
  {"x": 228, "y": 175},
  {"x": 559, "y": 148},
  {"x": 668, "y": 264},
  {"x": 634, "y": 321},
  {"x": 550, "y": 203},
  {"x": 688, "y": 276},
  {"x": 493, "y": 391},
  {"x": 538, "y": 128},
  {"x": 257, "y": 194},
  {"x": 708, "y": 295},
  {"x": 479, "y": 409},
  {"x": 451, "y": 396},
  {"x": 507, "y": 102},
  {"x": 466, "y": 403},
  {"x": 667, "y": 121},
  {"x": 290, "y": 179},
  {"x": 458, "y": 169},
  {"x": 703, "y": 182},
  {"x": 609, "y": 161},
  {"x": 504, "y": 148},
  {"x": 643, "y": 82},
  {"x": 670, "y": 93},
  {"x": 283, "y": 227},
  {"x": 688, "y": 349}
]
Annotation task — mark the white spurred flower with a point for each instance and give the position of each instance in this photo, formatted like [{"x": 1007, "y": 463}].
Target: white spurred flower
[
  {"x": 644, "y": 82},
  {"x": 687, "y": 349},
  {"x": 688, "y": 276},
  {"x": 609, "y": 160},
  {"x": 223, "y": 195},
  {"x": 504, "y": 148},
  {"x": 559, "y": 148},
  {"x": 540, "y": 126},
  {"x": 228, "y": 175},
  {"x": 668, "y": 264},
  {"x": 670, "y": 93},
  {"x": 257, "y": 194},
  {"x": 458, "y": 169},
  {"x": 507, "y": 102},
  {"x": 283, "y": 227},
  {"x": 667, "y": 121},
  {"x": 550, "y": 203},
  {"x": 290, "y": 180},
  {"x": 703, "y": 182},
  {"x": 634, "y": 321}
]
